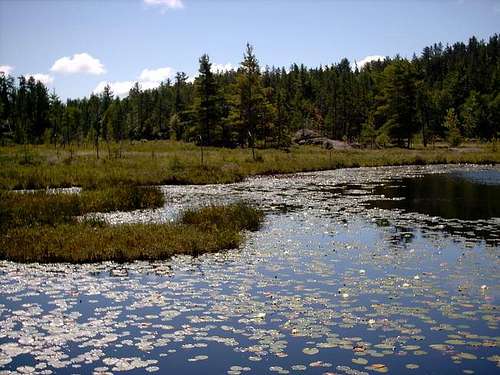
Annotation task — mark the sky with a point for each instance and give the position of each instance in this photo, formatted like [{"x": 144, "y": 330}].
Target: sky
[{"x": 76, "y": 47}]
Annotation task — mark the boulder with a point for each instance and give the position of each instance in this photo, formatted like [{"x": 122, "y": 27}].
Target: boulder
[
  {"x": 311, "y": 137},
  {"x": 303, "y": 134}
]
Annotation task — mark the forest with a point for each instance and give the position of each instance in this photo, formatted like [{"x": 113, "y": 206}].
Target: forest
[{"x": 446, "y": 93}]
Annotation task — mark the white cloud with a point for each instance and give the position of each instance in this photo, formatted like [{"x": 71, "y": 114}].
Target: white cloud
[
  {"x": 79, "y": 63},
  {"x": 44, "y": 78},
  {"x": 148, "y": 79},
  {"x": 7, "y": 69},
  {"x": 119, "y": 88},
  {"x": 222, "y": 67},
  {"x": 361, "y": 63},
  {"x": 157, "y": 75},
  {"x": 216, "y": 68},
  {"x": 165, "y": 4},
  {"x": 148, "y": 85}
]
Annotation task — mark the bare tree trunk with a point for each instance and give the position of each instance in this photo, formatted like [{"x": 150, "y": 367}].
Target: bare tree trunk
[{"x": 97, "y": 146}]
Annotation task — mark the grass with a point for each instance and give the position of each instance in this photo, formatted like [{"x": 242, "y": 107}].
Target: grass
[
  {"x": 44, "y": 208},
  {"x": 41, "y": 227},
  {"x": 124, "y": 198},
  {"x": 197, "y": 232},
  {"x": 169, "y": 162},
  {"x": 236, "y": 216}
]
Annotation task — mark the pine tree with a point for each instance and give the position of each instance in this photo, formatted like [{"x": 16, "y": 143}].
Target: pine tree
[
  {"x": 135, "y": 119},
  {"x": 7, "y": 108},
  {"x": 207, "y": 102},
  {"x": 397, "y": 101},
  {"x": 250, "y": 98},
  {"x": 248, "y": 107},
  {"x": 55, "y": 117},
  {"x": 368, "y": 132},
  {"x": 95, "y": 121},
  {"x": 180, "y": 104}
]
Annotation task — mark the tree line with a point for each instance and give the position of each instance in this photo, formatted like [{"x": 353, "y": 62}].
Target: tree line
[{"x": 447, "y": 92}]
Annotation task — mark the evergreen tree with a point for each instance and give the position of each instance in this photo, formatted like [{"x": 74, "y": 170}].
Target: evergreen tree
[
  {"x": 397, "y": 101},
  {"x": 207, "y": 103},
  {"x": 106, "y": 98},
  {"x": 95, "y": 121},
  {"x": 55, "y": 117},
  {"x": 251, "y": 103},
  {"x": 181, "y": 104},
  {"x": 135, "y": 118},
  {"x": 7, "y": 108},
  {"x": 395, "y": 98}
]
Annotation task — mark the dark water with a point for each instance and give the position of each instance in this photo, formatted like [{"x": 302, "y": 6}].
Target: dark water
[
  {"x": 468, "y": 195},
  {"x": 331, "y": 285}
]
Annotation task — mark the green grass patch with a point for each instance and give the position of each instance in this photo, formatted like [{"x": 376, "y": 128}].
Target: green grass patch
[
  {"x": 197, "y": 232},
  {"x": 237, "y": 216},
  {"x": 45, "y": 208},
  {"x": 124, "y": 198}
]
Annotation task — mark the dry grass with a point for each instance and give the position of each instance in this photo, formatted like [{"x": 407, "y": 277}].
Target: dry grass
[{"x": 169, "y": 162}]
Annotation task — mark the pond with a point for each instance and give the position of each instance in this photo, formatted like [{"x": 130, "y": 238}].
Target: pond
[
  {"x": 468, "y": 195},
  {"x": 369, "y": 270}
]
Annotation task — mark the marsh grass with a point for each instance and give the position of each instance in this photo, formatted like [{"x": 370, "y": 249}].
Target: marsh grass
[
  {"x": 38, "y": 208},
  {"x": 124, "y": 198},
  {"x": 47, "y": 208},
  {"x": 179, "y": 163},
  {"x": 206, "y": 230},
  {"x": 237, "y": 216}
]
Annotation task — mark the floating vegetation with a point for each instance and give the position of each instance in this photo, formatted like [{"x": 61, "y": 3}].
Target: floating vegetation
[
  {"x": 378, "y": 367},
  {"x": 412, "y": 366},
  {"x": 360, "y": 361},
  {"x": 275, "y": 306},
  {"x": 310, "y": 351}
]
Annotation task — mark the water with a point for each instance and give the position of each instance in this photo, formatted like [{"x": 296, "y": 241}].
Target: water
[
  {"x": 470, "y": 195},
  {"x": 335, "y": 282}
]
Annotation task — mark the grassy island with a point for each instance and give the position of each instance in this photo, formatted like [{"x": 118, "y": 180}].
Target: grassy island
[{"x": 53, "y": 234}]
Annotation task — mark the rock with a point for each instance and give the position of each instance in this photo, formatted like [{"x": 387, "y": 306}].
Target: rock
[
  {"x": 311, "y": 137},
  {"x": 304, "y": 134}
]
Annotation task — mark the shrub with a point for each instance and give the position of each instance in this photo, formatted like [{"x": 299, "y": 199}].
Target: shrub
[{"x": 382, "y": 140}]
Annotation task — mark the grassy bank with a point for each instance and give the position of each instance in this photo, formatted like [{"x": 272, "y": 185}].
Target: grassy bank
[
  {"x": 199, "y": 231},
  {"x": 168, "y": 162},
  {"x": 44, "y": 208}
]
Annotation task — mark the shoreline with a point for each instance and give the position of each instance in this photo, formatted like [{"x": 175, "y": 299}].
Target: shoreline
[{"x": 178, "y": 164}]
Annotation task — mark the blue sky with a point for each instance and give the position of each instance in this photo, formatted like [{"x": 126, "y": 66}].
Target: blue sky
[{"x": 76, "y": 46}]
